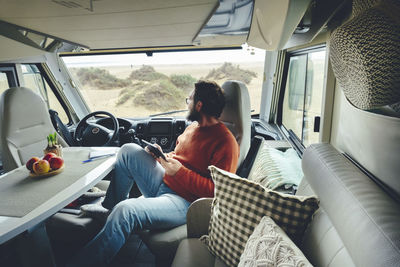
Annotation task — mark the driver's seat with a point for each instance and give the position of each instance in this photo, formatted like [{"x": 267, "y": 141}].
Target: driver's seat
[{"x": 24, "y": 123}]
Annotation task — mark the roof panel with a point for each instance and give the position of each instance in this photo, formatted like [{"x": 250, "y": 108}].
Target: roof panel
[{"x": 137, "y": 23}]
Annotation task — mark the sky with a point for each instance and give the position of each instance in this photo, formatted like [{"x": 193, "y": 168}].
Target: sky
[{"x": 247, "y": 54}]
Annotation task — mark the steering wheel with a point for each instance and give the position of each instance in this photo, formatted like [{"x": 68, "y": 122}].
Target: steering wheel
[{"x": 92, "y": 134}]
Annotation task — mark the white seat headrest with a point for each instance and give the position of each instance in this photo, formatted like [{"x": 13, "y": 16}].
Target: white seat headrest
[{"x": 236, "y": 114}]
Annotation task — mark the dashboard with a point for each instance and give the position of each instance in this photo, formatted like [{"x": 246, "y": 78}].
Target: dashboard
[{"x": 163, "y": 131}]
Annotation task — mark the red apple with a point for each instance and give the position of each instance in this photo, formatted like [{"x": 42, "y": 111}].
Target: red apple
[
  {"x": 30, "y": 162},
  {"x": 40, "y": 167},
  {"x": 48, "y": 156},
  {"x": 56, "y": 162}
]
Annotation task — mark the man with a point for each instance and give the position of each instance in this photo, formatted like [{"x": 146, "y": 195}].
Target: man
[{"x": 168, "y": 186}]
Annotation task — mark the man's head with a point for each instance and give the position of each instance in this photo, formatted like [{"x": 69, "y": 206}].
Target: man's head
[{"x": 207, "y": 98}]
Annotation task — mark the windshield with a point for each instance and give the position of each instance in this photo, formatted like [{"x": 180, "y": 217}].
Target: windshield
[{"x": 137, "y": 85}]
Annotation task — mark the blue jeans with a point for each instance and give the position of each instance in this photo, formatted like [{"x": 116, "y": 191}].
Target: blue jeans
[{"x": 158, "y": 208}]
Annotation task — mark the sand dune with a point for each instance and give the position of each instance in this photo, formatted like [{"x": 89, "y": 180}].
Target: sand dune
[{"x": 107, "y": 99}]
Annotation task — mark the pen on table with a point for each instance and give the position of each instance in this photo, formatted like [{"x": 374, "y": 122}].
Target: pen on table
[{"x": 96, "y": 158}]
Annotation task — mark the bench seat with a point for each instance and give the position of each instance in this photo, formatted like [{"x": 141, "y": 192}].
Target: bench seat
[{"x": 357, "y": 224}]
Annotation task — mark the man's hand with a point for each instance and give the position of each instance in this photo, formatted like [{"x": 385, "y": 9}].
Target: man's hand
[
  {"x": 152, "y": 154},
  {"x": 171, "y": 166}
]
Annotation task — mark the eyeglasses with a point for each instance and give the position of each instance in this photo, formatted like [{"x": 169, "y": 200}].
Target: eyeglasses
[{"x": 188, "y": 99}]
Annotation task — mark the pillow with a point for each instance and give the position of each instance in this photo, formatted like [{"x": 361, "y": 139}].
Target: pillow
[
  {"x": 274, "y": 168},
  {"x": 268, "y": 245},
  {"x": 238, "y": 207}
]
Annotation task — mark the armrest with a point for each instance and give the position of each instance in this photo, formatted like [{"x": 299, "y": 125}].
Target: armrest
[{"x": 198, "y": 217}]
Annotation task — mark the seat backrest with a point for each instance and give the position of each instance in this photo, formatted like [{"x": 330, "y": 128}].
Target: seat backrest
[
  {"x": 236, "y": 115},
  {"x": 358, "y": 223},
  {"x": 25, "y": 123}
]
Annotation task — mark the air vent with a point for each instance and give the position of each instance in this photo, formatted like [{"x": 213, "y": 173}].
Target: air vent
[
  {"x": 140, "y": 128},
  {"x": 84, "y": 4},
  {"x": 180, "y": 127},
  {"x": 161, "y": 119}
]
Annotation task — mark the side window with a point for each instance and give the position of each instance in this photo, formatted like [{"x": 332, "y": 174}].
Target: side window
[
  {"x": 7, "y": 78},
  {"x": 34, "y": 80},
  {"x": 302, "y": 102},
  {"x": 3, "y": 82}
]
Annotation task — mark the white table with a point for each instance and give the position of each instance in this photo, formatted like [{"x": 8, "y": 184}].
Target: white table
[{"x": 13, "y": 226}]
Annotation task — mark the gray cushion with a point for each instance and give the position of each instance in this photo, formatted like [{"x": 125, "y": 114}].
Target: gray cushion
[{"x": 192, "y": 252}]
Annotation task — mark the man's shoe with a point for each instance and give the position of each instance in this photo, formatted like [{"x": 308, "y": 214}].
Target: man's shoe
[
  {"x": 94, "y": 193},
  {"x": 95, "y": 211}
]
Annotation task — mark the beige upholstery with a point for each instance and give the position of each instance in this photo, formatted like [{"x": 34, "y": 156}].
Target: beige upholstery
[
  {"x": 163, "y": 243},
  {"x": 357, "y": 224},
  {"x": 375, "y": 145},
  {"x": 192, "y": 252},
  {"x": 236, "y": 114},
  {"x": 25, "y": 123},
  {"x": 364, "y": 217},
  {"x": 196, "y": 219}
]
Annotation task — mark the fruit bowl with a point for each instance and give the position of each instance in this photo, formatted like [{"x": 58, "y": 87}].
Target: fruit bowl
[{"x": 47, "y": 174}]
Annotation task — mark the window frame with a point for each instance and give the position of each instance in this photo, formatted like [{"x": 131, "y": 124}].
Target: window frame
[
  {"x": 45, "y": 77},
  {"x": 295, "y": 140},
  {"x": 11, "y": 71},
  {"x": 60, "y": 99}
]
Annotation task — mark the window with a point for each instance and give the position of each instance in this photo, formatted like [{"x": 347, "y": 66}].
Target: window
[
  {"x": 136, "y": 85},
  {"x": 7, "y": 78},
  {"x": 3, "y": 82},
  {"x": 302, "y": 101},
  {"x": 35, "y": 81}
]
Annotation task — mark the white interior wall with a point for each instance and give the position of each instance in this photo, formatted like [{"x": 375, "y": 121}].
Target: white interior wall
[{"x": 371, "y": 139}]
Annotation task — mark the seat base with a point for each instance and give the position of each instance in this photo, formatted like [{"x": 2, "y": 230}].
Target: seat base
[
  {"x": 192, "y": 252},
  {"x": 164, "y": 243}
]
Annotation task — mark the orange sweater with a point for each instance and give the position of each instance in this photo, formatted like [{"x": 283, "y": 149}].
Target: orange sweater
[{"x": 197, "y": 148}]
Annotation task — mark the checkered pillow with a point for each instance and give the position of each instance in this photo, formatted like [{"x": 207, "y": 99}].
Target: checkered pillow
[{"x": 238, "y": 207}]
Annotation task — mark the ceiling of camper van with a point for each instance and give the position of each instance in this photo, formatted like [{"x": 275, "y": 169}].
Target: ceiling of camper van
[{"x": 100, "y": 24}]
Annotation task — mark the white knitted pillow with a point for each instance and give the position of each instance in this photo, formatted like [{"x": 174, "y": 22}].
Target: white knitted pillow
[{"x": 269, "y": 246}]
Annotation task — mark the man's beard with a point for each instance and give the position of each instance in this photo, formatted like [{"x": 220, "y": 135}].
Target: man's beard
[{"x": 193, "y": 115}]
